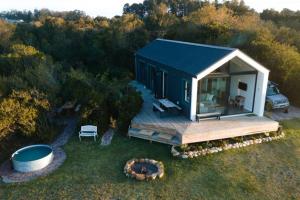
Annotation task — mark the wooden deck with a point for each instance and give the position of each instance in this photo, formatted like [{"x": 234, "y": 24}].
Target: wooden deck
[{"x": 187, "y": 131}]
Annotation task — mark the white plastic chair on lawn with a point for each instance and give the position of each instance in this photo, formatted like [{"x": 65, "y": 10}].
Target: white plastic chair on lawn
[{"x": 88, "y": 131}]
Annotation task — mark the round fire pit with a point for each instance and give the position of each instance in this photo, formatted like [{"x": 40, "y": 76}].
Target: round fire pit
[{"x": 144, "y": 169}]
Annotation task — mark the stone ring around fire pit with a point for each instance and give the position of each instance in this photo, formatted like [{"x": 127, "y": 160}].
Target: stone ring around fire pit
[{"x": 144, "y": 169}]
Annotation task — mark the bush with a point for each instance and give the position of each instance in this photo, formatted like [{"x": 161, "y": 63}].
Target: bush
[
  {"x": 97, "y": 115},
  {"x": 238, "y": 139},
  {"x": 184, "y": 147},
  {"x": 218, "y": 143},
  {"x": 128, "y": 106},
  {"x": 24, "y": 112}
]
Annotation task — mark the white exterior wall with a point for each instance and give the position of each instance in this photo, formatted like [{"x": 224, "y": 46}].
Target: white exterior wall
[
  {"x": 249, "y": 94},
  {"x": 261, "y": 84},
  {"x": 261, "y": 90},
  {"x": 194, "y": 91}
]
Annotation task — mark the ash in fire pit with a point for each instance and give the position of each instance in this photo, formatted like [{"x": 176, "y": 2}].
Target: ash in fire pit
[{"x": 144, "y": 169}]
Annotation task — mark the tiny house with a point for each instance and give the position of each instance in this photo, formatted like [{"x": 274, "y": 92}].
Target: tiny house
[
  {"x": 202, "y": 78},
  {"x": 198, "y": 81}
]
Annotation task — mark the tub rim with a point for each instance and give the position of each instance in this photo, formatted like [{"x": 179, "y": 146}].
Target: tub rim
[{"x": 28, "y": 147}]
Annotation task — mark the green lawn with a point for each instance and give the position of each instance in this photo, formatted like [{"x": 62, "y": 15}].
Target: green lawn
[{"x": 264, "y": 171}]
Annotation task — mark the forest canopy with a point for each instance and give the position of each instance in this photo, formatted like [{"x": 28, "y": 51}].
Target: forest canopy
[{"x": 53, "y": 57}]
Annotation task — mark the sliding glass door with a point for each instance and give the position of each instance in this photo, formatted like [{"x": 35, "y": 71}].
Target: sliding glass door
[{"x": 213, "y": 93}]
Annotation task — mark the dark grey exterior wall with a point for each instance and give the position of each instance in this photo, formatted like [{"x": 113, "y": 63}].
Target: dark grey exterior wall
[{"x": 175, "y": 81}]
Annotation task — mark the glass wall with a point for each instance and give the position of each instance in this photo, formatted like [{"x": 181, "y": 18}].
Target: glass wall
[
  {"x": 229, "y": 90},
  {"x": 212, "y": 94}
]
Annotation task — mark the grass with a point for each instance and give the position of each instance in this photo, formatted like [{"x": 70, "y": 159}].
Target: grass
[{"x": 264, "y": 171}]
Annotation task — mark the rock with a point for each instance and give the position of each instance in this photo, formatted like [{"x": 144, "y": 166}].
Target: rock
[
  {"x": 184, "y": 156},
  {"x": 160, "y": 174},
  {"x": 175, "y": 154},
  {"x": 153, "y": 176},
  {"x": 140, "y": 177},
  {"x": 173, "y": 150},
  {"x": 133, "y": 174}
]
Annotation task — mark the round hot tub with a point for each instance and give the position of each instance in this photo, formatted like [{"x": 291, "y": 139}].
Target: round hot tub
[{"x": 32, "y": 158}]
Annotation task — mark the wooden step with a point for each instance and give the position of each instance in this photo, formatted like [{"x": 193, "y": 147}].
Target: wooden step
[
  {"x": 164, "y": 136},
  {"x": 154, "y": 127},
  {"x": 154, "y": 136},
  {"x": 144, "y": 134}
]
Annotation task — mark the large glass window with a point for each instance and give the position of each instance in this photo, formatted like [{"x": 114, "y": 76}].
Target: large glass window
[
  {"x": 229, "y": 90},
  {"x": 213, "y": 94}
]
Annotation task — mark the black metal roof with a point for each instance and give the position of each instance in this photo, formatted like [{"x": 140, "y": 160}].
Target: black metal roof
[{"x": 188, "y": 57}]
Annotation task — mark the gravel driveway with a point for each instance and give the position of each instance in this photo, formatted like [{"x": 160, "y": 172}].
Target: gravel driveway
[{"x": 279, "y": 115}]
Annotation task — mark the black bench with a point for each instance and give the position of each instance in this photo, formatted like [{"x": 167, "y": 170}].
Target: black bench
[{"x": 208, "y": 115}]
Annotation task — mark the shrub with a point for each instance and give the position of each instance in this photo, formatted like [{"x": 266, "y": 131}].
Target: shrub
[
  {"x": 218, "y": 143},
  {"x": 24, "y": 112},
  {"x": 128, "y": 106},
  {"x": 184, "y": 147},
  {"x": 97, "y": 115},
  {"x": 238, "y": 139}
]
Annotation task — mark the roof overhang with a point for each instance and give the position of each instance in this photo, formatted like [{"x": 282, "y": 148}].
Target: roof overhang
[{"x": 236, "y": 53}]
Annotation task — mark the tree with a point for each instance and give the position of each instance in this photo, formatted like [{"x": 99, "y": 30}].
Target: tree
[
  {"x": 238, "y": 7},
  {"x": 283, "y": 61},
  {"x": 286, "y": 17},
  {"x": 24, "y": 112},
  {"x": 19, "y": 58},
  {"x": 137, "y": 8},
  {"x": 6, "y": 32}
]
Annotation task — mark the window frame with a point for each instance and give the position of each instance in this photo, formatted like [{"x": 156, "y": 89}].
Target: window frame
[{"x": 187, "y": 89}]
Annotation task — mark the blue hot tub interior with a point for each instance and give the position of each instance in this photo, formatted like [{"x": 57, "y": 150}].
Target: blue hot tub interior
[{"x": 32, "y": 153}]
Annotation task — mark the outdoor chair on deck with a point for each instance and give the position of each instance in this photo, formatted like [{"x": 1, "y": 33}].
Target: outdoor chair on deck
[
  {"x": 240, "y": 101},
  {"x": 88, "y": 131}
]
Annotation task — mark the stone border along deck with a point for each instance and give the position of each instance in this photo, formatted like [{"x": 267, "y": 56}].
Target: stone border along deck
[
  {"x": 206, "y": 151},
  {"x": 9, "y": 175}
]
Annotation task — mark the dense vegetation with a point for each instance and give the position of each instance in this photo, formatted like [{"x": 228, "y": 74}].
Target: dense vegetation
[{"x": 54, "y": 57}]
